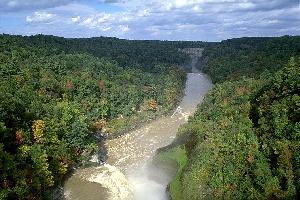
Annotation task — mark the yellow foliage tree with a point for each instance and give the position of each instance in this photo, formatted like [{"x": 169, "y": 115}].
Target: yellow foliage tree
[
  {"x": 152, "y": 104},
  {"x": 37, "y": 128}
]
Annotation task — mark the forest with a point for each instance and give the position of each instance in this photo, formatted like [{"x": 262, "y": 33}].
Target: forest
[
  {"x": 243, "y": 141},
  {"x": 248, "y": 56},
  {"x": 57, "y": 96}
]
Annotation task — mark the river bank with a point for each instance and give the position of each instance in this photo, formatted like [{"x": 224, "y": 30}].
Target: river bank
[{"x": 129, "y": 172}]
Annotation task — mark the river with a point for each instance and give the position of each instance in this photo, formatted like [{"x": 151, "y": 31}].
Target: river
[{"x": 129, "y": 173}]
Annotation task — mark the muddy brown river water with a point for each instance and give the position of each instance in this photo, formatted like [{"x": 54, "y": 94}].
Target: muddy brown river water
[{"x": 128, "y": 173}]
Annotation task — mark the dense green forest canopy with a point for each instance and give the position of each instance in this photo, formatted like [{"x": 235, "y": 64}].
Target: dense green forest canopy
[
  {"x": 244, "y": 139},
  {"x": 143, "y": 54},
  {"x": 233, "y": 58},
  {"x": 57, "y": 95}
]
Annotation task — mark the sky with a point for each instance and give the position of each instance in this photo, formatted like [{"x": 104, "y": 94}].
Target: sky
[{"x": 204, "y": 20}]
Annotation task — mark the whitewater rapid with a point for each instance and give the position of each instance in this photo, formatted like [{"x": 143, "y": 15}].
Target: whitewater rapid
[{"x": 129, "y": 173}]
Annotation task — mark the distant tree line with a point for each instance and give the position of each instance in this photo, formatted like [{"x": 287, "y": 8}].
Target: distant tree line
[{"x": 233, "y": 58}]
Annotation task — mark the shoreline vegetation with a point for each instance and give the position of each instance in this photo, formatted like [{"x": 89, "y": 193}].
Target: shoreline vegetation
[{"x": 243, "y": 141}]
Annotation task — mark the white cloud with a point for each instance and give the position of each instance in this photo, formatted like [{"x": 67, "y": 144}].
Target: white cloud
[
  {"x": 115, "y": 23},
  {"x": 74, "y": 9},
  {"x": 168, "y": 19},
  {"x": 40, "y": 17},
  {"x": 75, "y": 19},
  {"x": 17, "y": 5},
  {"x": 124, "y": 28},
  {"x": 88, "y": 22}
]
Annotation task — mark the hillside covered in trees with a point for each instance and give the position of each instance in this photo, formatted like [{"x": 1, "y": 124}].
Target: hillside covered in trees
[
  {"x": 57, "y": 95},
  {"x": 233, "y": 58},
  {"x": 243, "y": 141}
]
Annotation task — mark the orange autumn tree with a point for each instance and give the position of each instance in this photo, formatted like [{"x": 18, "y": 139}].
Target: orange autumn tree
[{"x": 19, "y": 136}]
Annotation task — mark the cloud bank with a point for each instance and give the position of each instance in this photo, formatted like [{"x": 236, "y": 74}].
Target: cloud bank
[{"x": 209, "y": 20}]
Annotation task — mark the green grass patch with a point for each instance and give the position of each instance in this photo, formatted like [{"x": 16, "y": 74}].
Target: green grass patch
[{"x": 178, "y": 156}]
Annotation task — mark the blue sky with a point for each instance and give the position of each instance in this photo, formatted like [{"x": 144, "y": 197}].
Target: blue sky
[{"x": 206, "y": 20}]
